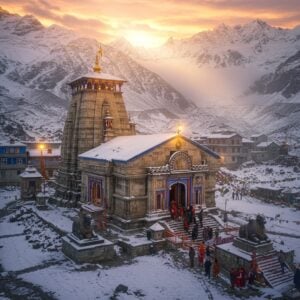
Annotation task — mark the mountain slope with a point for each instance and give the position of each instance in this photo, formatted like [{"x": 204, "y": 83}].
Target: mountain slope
[
  {"x": 285, "y": 79},
  {"x": 244, "y": 74},
  {"x": 36, "y": 63}
]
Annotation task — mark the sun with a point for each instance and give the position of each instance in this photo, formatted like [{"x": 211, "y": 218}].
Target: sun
[{"x": 142, "y": 39}]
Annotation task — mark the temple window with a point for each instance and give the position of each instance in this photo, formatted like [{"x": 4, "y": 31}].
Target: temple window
[
  {"x": 198, "y": 196},
  {"x": 96, "y": 193},
  {"x": 159, "y": 200}
]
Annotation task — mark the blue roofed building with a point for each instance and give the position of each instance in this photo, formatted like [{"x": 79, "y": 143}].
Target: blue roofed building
[{"x": 13, "y": 161}]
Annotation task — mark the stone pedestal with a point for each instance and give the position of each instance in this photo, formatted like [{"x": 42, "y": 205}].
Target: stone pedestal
[
  {"x": 249, "y": 246},
  {"x": 157, "y": 232},
  {"x": 91, "y": 250}
]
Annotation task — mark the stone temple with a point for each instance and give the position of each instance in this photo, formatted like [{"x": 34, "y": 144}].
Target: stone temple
[
  {"x": 130, "y": 178},
  {"x": 96, "y": 114}
]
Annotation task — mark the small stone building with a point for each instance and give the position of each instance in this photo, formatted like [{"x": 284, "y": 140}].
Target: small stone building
[
  {"x": 31, "y": 181},
  {"x": 136, "y": 177},
  {"x": 265, "y": 151},
  {"x": 228, "y": 145}
]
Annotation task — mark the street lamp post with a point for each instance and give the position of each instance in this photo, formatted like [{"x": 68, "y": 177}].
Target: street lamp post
[
  {"x": 42, "y": 166},
  {"x": 223, "y": 192}
]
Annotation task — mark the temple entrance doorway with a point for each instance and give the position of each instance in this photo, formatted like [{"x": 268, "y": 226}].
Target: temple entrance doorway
[{"x": 177, "y": 195}]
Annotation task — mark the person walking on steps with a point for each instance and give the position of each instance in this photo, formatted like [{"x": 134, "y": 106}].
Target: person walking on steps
[
  {"x": 201, "y": 254},
  {"x": 281, "y": 260},
  {"x": 192, "y": 256},
  {"x": 297, "y": 278},
  {"x": 200, "y": 217},
  {"x": 195, "y": 232},
  {"x": 216, "y": 268},
  {"x": 207, "y": 267}
]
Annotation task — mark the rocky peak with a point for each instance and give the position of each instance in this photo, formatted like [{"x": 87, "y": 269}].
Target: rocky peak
[
  {"x": 3, "y": 13},
  {"x": 27, "y": 24}
]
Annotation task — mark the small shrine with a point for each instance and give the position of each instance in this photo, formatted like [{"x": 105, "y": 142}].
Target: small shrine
[
  {"x": 157, "y": 232},
  {"x": 31, "y": 183}
]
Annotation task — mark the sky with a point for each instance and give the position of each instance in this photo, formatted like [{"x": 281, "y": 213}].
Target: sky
[{"x": 150, "y": 23}]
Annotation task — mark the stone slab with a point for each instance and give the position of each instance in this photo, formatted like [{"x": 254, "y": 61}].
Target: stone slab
[
  {"x": 87, "y": 251},
  {"x": 249, "y": 246}
]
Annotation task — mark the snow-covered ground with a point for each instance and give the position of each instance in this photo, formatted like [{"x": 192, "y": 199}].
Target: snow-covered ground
[
  {"x": 30, "y": 249},
  {"x": 147, "y": 277},
  {"x": 282, "y": 223},
  {"x": 8, "y": 195}
]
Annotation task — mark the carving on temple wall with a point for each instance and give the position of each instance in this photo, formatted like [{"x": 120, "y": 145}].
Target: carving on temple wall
[
  {"x": 180, "y": 161},
  {"x": 198, "y": 180},
  {"x": 160, "y": 183}
]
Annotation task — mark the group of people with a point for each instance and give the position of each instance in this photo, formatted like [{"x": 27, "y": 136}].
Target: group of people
[
  {"x": 237, "y": 195},
  {"x": 182, "y": 213},
  {"x": 204, "y": 260},
  {"x": 239, "y": 276}
]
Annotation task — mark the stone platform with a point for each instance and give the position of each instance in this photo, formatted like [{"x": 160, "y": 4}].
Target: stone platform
[
  {"x": 249, "y": 246},
  {"x": 92, "y": 250}
]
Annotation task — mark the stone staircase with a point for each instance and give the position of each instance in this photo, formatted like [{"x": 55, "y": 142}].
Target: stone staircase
[
  {"x": 270, "y": 266},
  {"x": 176, "y": 227}
]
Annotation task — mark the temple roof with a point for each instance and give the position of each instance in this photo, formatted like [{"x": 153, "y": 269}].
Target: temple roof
[
  {"x": 31, "y": 172},
  {"x": 221, "y": 135},
  {"x": 266, "y": 144},
  {"x": 126, "y": 148},
  {"x": 99, "y": 75}
]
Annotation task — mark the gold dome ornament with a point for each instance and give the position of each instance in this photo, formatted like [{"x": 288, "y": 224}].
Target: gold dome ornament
[{"x": 97, "y": 68}]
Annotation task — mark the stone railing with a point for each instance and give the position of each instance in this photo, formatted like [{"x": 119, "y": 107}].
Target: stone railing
[
  {"x": 200, "y": 168},
  {"x": 158, "y": 170},
  {"x": 166, "y": 169}
]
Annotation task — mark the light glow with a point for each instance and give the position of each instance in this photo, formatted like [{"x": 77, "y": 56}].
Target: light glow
[
  {"x": 179, "y": 129},
  {"x": 143, "y": 39}
]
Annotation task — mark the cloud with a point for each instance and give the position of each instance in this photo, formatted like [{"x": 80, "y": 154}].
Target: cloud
[
  {"x": 86, "y": 26},
  {"x": 265, "y": 5},
  {"x": 109, "y": 19}
]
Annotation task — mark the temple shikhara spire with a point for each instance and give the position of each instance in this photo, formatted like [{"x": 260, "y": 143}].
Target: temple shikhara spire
[
  {"x": 97, "y": 68},
  {"x": 96, "y": 114}
]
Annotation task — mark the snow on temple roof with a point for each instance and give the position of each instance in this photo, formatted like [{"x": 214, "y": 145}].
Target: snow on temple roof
[
  {"x": 12, "y": 144},
  {"x": 265, "y": 144},
  {"x": 31, "y": 172},
  {"x": 125, "y": 148},
  {"x": 244, "y": 140},
  {"x": 101, "y": 75},
  {"x": 221, "y": 135},
  {"x": 156, "y": 227},
  {"x": 46, "y": 153}
]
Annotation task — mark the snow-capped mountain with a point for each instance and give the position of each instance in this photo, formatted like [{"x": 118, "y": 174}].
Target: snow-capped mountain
[
  {"x": 245, "y": 74},
  {"x": 243, "y": 78},
  {"x": 36, "y": 63},
  {"x": 285, "y": 79},
  {"x": 228, "y": 46}
]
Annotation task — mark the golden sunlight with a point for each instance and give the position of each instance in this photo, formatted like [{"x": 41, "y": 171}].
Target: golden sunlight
[{"x": 143, "y": 39}]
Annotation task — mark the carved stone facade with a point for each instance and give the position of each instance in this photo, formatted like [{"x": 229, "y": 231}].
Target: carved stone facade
[
  {"x": 96, "y": 114},
  {"x": 140, "y": 188}
]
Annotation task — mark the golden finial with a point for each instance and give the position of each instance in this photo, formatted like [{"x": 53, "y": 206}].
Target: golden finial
[{"x": 99, "y": 54}]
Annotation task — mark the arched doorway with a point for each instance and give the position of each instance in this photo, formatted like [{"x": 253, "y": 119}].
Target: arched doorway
[
  {"x": 96, "y": 196},
  {"x": 177, "y": 193}
]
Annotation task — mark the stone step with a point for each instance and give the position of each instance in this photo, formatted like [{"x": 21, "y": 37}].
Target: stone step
[
  {"x": 177, "y": 227},
  {"x": 280, "y": 280},
  {"x": 271, "y": 268}
]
